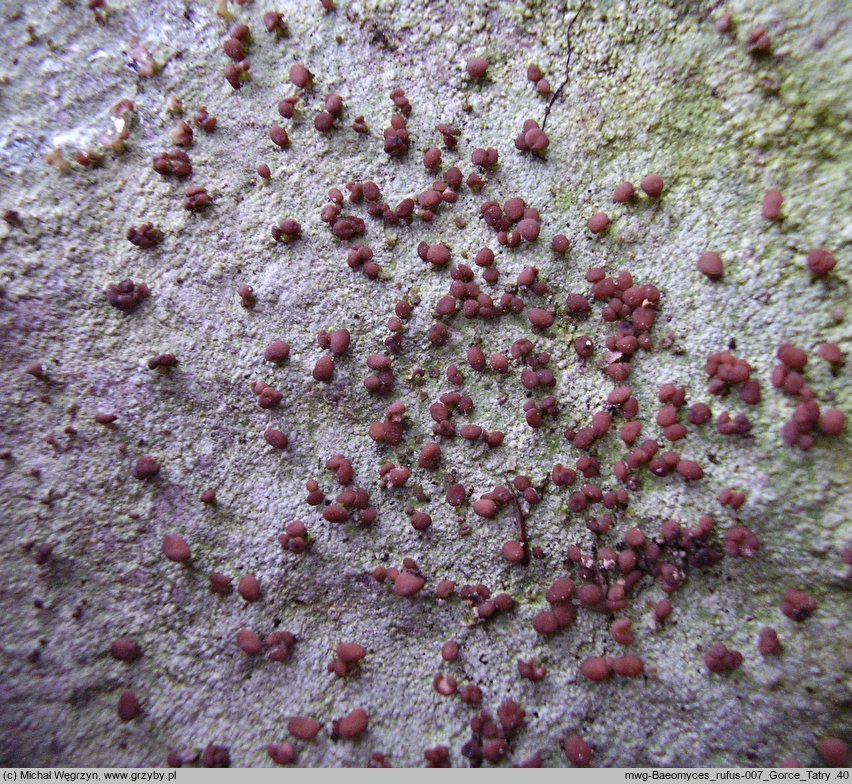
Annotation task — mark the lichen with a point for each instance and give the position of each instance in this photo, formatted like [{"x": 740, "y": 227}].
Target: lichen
[{"x": 653, "y": 87}]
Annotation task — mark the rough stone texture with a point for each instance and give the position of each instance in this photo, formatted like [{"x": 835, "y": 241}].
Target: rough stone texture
[{"x": 653, "y": 87}]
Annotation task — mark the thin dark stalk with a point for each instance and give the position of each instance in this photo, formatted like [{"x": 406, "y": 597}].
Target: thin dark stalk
[{"x": 559, "y": 90}]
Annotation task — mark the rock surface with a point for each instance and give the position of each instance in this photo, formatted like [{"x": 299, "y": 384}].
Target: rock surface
[{"x": 653, "y": 87}]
